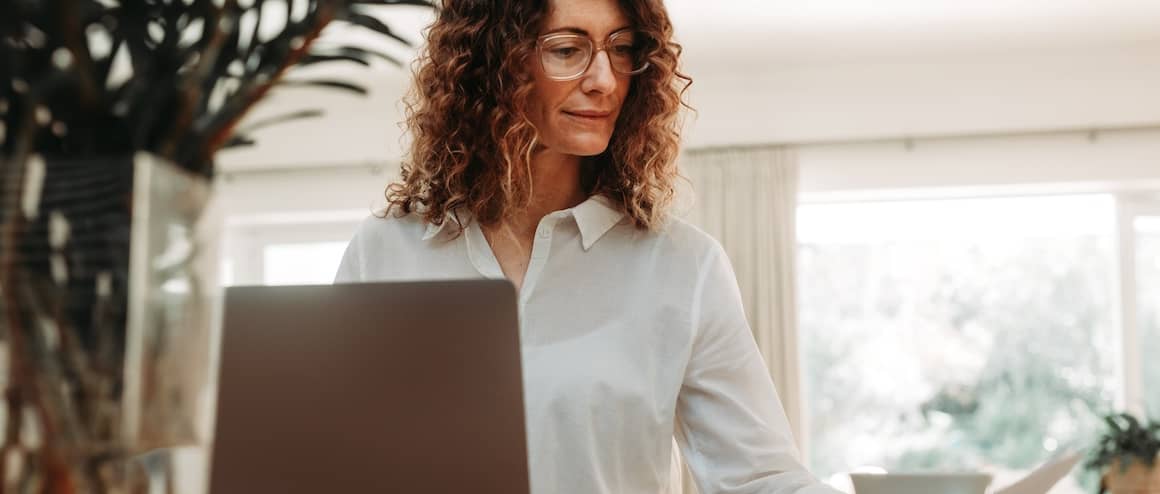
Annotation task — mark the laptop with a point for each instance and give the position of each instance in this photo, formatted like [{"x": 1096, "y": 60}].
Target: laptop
[
  {"x": 921, "y": 483},
  {"x": 1039, "y": 481},
  {"x": 370, "y": 388}
]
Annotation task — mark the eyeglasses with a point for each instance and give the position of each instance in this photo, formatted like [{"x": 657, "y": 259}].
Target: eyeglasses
[{"x": 567, "y": 56}]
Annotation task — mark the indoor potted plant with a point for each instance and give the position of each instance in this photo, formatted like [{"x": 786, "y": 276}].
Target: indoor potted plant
[
  {"x": 1126, "y": 456},
  {"x": 111, "y": 112}
]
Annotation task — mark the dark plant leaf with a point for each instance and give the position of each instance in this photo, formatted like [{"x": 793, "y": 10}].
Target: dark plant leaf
[
  {"x": 238, "y": 141},
  {"x": 314, "y": 58},
  {"x": 1115, "y": 426},
  {"x": 1133, "y": 424},
  {"x": 325, "y": 83},
  {"x": 372, "y": 23},
  {"x": 356, "y": 52},
  {"x": 266, "y": 122},
  {"x": 1126, "y": 440},
  {"x": 417, "y": 3}
]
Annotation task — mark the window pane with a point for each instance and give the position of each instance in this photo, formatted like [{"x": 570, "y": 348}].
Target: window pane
[
  {"x": 959, "y": 334},
  {"x": 1148, "y": 300},
  {"x": 301, "y": 264}
]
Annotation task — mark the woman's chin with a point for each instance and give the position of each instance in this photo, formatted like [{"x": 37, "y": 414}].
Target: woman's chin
[
  {"x": 591, "y": 147},
  {"x": 577, "y": 143}
]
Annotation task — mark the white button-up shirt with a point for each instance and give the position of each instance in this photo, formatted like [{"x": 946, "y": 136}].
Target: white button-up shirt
[{"x": 629, "y": 338}]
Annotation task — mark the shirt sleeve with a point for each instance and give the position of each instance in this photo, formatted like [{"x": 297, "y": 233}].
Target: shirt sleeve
[
  {"x": 730, "y": 424},
  {"x": 350, "y": 269}
]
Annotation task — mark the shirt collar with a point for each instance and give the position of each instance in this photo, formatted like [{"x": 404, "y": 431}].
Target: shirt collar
[
  {"x": 434, "y": 230},
  {"x": 594, "y": 217}
]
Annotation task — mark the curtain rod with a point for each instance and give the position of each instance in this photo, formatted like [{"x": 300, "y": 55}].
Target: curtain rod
[{"x": 1093, "y": 134}]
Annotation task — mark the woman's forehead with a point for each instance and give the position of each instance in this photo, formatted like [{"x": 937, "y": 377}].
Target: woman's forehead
[{"x": 596, "y": 18}]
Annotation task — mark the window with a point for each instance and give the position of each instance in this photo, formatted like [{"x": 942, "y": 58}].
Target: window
[
  {"x": 292, "y": 250},
  {"x": 312, "y": 263},
  {"x": 958, "y": 334}
]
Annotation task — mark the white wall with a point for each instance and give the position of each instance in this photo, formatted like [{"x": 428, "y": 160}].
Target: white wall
[
  {"x": 917, "y": 98},
  {"x": 1052, "y": 163},
  {"x": 820, "y": 106},
  {"x": 1066, "y": 162},
  {"x": 348, "y": 189},
  {"x": 355, "y": 130}
]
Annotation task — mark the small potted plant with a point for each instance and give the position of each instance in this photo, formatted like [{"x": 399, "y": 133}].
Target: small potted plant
[{"x": 1126, "y": 456}]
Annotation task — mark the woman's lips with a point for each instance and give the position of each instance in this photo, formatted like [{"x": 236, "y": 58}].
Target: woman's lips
[{"x": 588, "y": 115}]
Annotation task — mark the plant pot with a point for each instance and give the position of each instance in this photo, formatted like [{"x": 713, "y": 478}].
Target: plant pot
[
  {"x": 1138, "y": 478},
  {"x": 107, "y": 276}
]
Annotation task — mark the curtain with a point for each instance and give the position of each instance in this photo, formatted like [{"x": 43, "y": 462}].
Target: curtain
[{"x": 746, "y": 198}]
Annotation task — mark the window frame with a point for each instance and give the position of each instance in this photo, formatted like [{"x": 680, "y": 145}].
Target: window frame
[{"x": 1129, "y": 207}]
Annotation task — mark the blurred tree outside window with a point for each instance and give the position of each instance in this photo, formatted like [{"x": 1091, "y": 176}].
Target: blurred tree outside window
[{"x": 959, "y": 334}]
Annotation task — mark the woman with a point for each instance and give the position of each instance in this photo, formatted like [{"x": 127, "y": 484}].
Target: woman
[{"x": 545, "y": 139}]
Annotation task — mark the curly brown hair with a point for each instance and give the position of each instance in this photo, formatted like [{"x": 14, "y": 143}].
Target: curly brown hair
[{"x": 472, "y": 141}]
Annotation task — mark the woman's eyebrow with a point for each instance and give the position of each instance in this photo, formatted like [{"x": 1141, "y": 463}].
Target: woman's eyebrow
[{"x": 577, "y": 30}]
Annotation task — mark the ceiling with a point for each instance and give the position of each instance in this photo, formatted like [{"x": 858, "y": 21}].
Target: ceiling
[
  {"x": 743, "y": 32},
  {"x": 828, "y": 31}
]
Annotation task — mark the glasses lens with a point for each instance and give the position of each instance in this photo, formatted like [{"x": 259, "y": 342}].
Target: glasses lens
[
  {"x": 566, "y": 56},
  {"x": 626, "y": 53}
]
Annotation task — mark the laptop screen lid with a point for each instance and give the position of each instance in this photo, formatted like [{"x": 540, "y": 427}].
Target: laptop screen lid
[{"x": 378, "y": 387}]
